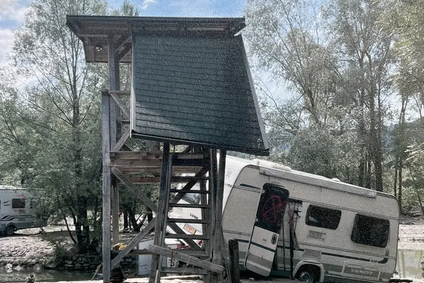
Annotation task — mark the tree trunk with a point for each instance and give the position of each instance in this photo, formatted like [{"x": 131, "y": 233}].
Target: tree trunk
[
  {"x": 395, "y": 178},
  {"x": 126, "y": 223},
  {"x": 400, "y": 185}
]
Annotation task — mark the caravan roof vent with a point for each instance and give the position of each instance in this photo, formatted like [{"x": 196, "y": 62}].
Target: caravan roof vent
[
  {"x": 270, "y": 164},
  {"x": 335, "y": 179}
]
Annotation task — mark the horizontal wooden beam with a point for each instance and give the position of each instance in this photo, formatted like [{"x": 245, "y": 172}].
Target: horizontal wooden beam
[
  {"x": 120, "y": 92},
  {"x": 136, "y": 163},
  {"x": 216, "y": 268},
  {"x": 144, "y": 155},
  {"x": 156, "y": 180},
  {"x": 132, "y": 169},
  {"x": 144, "y": 180}
]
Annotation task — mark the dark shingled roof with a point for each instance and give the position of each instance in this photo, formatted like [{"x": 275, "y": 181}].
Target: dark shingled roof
[
  {"x": 191, "y": 80},
  {"x": 195, "y": 90}
]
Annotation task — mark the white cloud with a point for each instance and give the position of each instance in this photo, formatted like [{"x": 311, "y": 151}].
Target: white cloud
[
  {"x": 6, "y": 43},
  {"x": 146, "y": 4},
  {"x": 12, "y": 15},
  {"x": 13, "y": 10}
]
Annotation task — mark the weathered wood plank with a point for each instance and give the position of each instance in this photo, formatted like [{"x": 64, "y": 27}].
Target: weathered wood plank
[
  {"x": 138, "y": 155},
  {"x": 121, "y": 104},
  {"x": 154, "y": 170},
  {"x": 234, "y": 261},
  {"x": 184, "y": 270},
  {"x": 106, "y": 206},
  {"x": 155, "y": 180},
  {"x": 120, "y": 92},
  {"x": 144, "y": 180},
  {"x": 115, "y": 130},
  {"x": 185, "y": 236},
  {"x": 186, "y": 258},
  {"x": 143, "y": 197},
  {"x": 161, "y": 214},
  {"x": 212, "y": 277},
  {"x": 141, "y": 163},
  {"x": 137, "y": 171},
  {"x": 188, "y": 220},
  {"x": 131, "y": 245},
  {"x": 217, "y": 253},
  {"x": 119, "y": 144}
]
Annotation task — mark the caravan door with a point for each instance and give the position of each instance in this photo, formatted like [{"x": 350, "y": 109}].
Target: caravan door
[{"x": 264, "y": 238}]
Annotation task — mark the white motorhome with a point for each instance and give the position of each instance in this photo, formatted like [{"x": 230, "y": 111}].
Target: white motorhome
[
  {"x": 16, "y": 211},
  {"x": 294, "y": 224}
]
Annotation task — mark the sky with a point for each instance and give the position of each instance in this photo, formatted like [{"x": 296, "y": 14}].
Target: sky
[{"x": 12, "y": 14}]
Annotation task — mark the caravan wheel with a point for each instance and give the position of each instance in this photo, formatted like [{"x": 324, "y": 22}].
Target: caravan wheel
[
  {"x": 308, "y": 275},
  {"x": 10, "y": 230}
]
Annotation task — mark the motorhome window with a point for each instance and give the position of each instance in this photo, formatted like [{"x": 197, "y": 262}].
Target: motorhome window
[
  {"x": 323, "y": 217},
  {"x": 370, "y": 231},
  {"x": 18, "y": 203}
]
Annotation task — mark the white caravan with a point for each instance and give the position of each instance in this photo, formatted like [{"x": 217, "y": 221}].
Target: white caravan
[
  {"x": 16, "y": 211},
  {"x": 294, "y": 224}
]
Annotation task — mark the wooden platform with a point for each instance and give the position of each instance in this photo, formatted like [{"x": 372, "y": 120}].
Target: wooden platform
[{"x": 145, "y": 167}]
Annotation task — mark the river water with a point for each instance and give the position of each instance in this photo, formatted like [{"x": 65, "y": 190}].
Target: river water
[
  {"x": 43, "y": 275},
  {"x": 408, "y": 266},
  {"x": 409, "y": 263}
]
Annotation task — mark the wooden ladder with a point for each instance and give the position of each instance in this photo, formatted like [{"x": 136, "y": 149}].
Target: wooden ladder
[{"x": 193, "y": 248}]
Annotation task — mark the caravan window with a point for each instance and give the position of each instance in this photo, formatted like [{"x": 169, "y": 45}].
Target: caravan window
[
  {"x": 323, "y": 217},
  {"x": 18, "y": 203},
  {"x": 370, "y": 231}
]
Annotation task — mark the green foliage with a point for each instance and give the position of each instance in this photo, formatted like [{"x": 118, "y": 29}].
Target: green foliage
[
  {"x": 58, "y": 115},
  {"x": 313, "y": 150},
  {"x": 336, "y": 58}
]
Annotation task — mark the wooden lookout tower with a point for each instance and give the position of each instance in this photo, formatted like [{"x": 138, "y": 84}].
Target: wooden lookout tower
[{"x": 191, "y": 101}]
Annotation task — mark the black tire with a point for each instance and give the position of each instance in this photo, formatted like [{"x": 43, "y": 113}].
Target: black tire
[
  {"x": 307, "y": 275},
  {"x": 10, "y": 230}
]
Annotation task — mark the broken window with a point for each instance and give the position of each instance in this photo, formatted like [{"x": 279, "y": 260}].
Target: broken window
[
  {"x": 18, "y": 203},
  {"x": 370, "y": 231},
  {"x": 323, "y": 217}
]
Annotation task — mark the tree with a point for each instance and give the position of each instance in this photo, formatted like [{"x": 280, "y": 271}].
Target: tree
[
  {"x": 288, "y": 39},
  {"x": 336, "y": 57},
  {"x": 20, "y": 141},
  {"x": 366, "y": 49},
  {"x": 285, "y": 38},
  {"x": 63, "y": 109}
]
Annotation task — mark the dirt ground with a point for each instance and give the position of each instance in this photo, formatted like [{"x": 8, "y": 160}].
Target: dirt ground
[
  {"x": 411, "y": 233},
  {"x": 29, "y": 243}
]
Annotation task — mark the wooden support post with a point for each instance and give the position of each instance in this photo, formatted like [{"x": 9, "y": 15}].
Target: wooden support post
[
  {"x": 217, "y": 256},
  {"x": 106, "y": 247},
  {"x": 217, "y": 236},
  {"x": 115, "y": 129},
  {"x": 161, "y": 213},
  {"x": 205, "y": 215},
  {"x": 211, "y": 277},
  {"x": 234, "y": 261}
]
